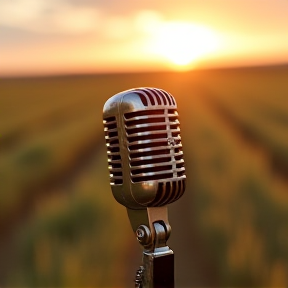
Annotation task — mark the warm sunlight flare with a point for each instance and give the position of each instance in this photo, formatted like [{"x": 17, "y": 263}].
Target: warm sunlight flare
[
  {"x": 40, "y": 37},
  {"x": 183, "y": 43}
]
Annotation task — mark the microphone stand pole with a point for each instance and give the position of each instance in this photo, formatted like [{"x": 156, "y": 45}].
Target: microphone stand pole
[{"x": 152, "y": 231}]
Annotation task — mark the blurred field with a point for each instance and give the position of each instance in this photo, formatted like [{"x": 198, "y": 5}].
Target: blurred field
[{"x": 59, "y": 223}]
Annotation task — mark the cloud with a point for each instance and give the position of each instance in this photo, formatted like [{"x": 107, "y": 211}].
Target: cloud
[
  {"x": 135, "y": 25},
  {"x": 66, "y": 17},
  {"x": 118, "y": 28},
  {"x": 147, "y": 20},
  {"x": 53, "y": 16}
]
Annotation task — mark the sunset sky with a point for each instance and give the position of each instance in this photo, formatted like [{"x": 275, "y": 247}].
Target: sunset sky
[{"x": 84, "y": 36}]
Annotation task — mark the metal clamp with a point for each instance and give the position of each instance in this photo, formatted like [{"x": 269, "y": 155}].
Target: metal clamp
[{"x": 158, "y": 259}]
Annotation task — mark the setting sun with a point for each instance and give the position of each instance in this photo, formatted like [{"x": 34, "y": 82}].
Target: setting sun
[
  {"x": 132, "y": 36},
  {"x": 183, "y": 43}
]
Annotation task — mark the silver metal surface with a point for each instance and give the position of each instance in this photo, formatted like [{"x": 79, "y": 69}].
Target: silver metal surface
[{"x": 145, "y": 157}]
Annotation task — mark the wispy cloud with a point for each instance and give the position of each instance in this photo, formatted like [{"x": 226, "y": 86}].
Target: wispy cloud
[
  {"x": 136, "y": 25},
  {"x": 53, "y": 16},
  {"x": 64, "y": 17}
]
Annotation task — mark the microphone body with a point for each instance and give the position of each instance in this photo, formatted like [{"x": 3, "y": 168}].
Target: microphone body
[{"x": 145, "y": 157}]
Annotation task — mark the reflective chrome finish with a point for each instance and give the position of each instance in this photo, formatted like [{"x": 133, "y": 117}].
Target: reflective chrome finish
[{"x": 145, "y": 157}]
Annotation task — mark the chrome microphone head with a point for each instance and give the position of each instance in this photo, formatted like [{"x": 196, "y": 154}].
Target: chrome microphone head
[{"x": 144, "y": 148}]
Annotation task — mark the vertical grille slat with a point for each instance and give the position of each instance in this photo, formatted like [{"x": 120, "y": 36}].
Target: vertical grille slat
[
  {"x": 163, "y": 97},
  {"x": 168, "y": 98},
  {"x": 113, "y": 150},
  {"x": 151, "y": 97},
  {"x": 158, "y": 99}
]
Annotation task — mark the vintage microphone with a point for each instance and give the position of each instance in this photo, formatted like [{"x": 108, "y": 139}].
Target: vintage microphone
[{"x": 147, "y": 172}]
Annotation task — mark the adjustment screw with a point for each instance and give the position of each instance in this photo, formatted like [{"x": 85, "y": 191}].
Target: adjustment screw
[
  {"x": 140, "y": 233},
  {"x": 143, "y": 235}
]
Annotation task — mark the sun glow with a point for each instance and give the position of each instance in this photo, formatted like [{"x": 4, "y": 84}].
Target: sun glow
[{"x": 183, "y": 43}]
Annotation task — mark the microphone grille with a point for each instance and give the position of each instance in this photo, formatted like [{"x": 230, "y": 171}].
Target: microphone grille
[
  {"x": 145, "y": 156},
  {"x": 154, "y": 142},
  {"x": 113, "y": 150}
]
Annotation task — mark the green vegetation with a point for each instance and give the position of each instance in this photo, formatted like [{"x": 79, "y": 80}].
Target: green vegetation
[{"x": 60, "y": 225}]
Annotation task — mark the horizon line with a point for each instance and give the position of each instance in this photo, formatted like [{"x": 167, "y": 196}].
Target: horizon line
[{"x": 144, "y": 71}]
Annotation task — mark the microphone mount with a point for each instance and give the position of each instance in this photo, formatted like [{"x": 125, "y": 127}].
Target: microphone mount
[{"x": 157, "y": 270}]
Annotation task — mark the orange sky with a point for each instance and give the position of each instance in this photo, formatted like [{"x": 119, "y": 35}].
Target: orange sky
[{"x": 75, "y": 36}]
